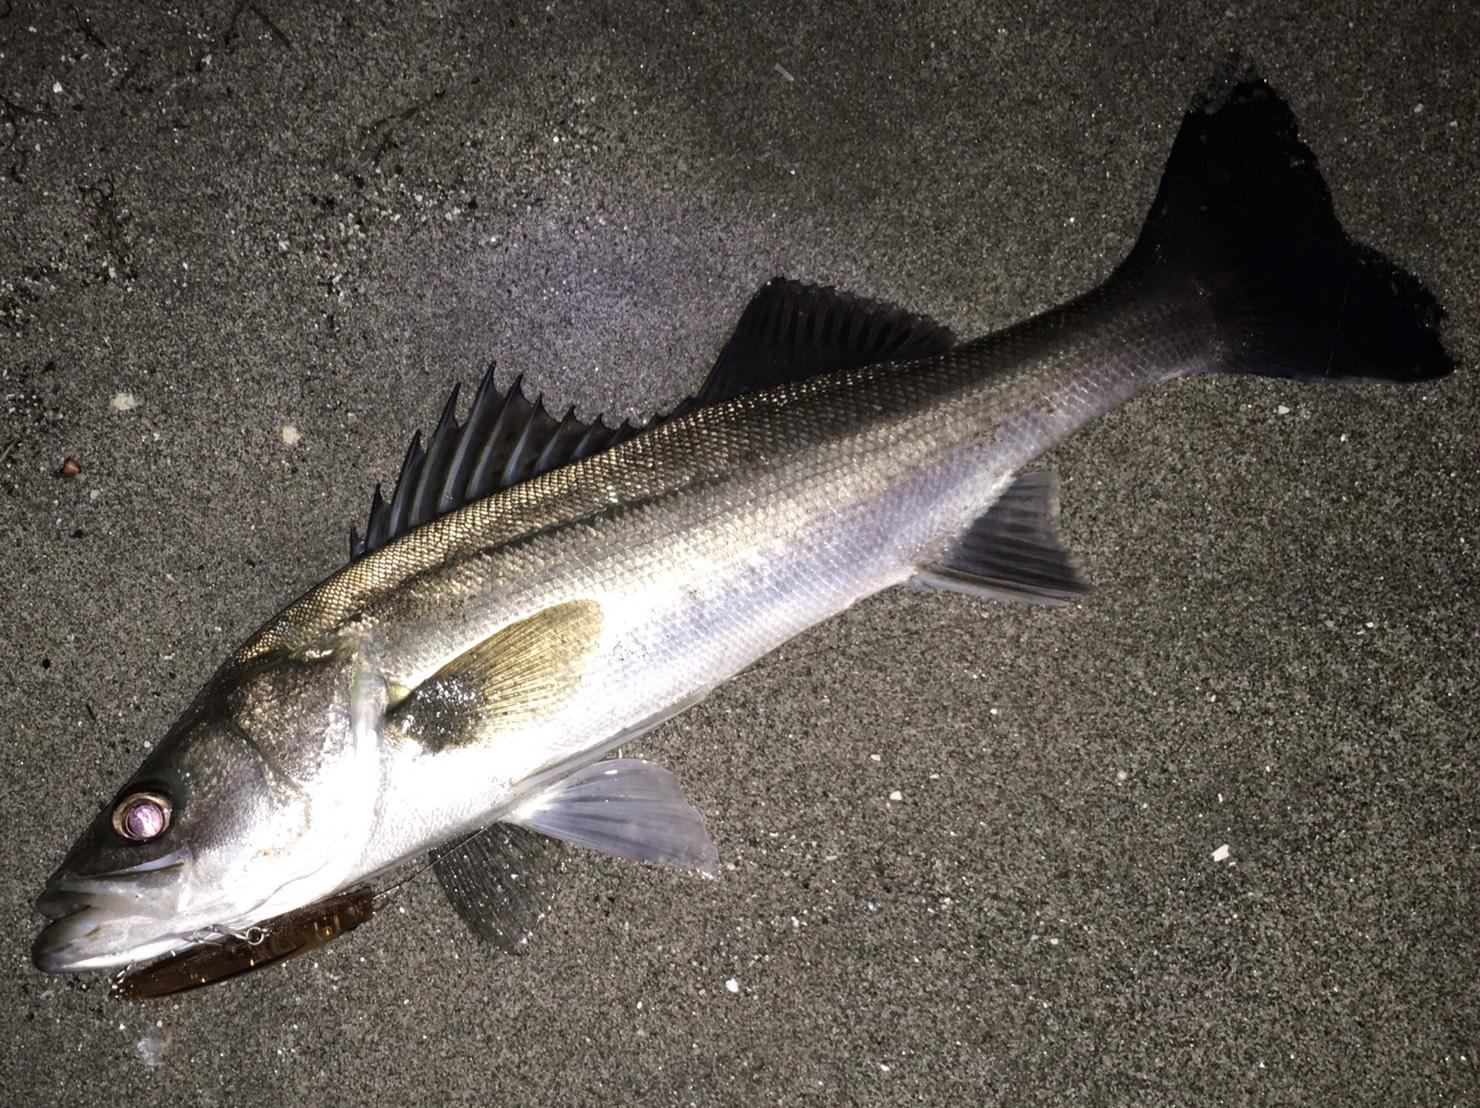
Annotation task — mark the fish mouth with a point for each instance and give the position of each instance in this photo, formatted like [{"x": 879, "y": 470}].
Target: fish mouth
[
  {"x": 100, "y": 921},
  {"x": 58, "y": 904},
  {"x": 92, "y": 938}
]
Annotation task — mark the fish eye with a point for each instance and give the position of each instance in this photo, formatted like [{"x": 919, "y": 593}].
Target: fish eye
[{"x": 142, "y": 816}]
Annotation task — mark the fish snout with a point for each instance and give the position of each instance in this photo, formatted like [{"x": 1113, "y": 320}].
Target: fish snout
[
  {"x": 57, "y": 904},
  {"x": 101, "y": 921}
]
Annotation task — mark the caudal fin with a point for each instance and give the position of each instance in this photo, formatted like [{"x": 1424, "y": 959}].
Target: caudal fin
[{"x": 1244, "y": 213}]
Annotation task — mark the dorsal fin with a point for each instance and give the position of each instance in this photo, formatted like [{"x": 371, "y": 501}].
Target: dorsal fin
[
  {"x": 791, "y": 331},
  {"x": 788, "y": 332},
  {"x": 507, "y": 438}
]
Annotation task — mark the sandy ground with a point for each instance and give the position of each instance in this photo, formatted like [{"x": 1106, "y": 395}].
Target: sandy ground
[{"x": 245, "y": 252}]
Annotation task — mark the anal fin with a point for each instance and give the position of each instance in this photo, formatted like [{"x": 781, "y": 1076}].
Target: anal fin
[{"x": 1013, "y": 550}]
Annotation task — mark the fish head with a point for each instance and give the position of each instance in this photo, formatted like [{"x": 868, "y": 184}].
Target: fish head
[{"x": 254, "y": 804}]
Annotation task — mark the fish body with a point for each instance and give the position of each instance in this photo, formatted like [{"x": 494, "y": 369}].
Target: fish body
[
  {"x": 473, "y": 670},
  {"x": 708, "y": 542}
]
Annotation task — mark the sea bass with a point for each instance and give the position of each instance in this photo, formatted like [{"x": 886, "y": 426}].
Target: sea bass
[{"x": 538, "y": 591}]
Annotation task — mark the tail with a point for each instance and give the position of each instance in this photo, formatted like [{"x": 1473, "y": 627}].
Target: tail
[{"x": 1244, "y": 214}]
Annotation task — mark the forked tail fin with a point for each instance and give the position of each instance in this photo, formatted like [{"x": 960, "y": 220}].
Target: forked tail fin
[{"x": 1244, "y": 213}]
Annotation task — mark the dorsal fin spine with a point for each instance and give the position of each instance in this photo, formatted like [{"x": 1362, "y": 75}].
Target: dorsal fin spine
[
  {"x": 473, "y": 435},
  {"x": 375, "y": 528},
  {"x": 405, "y": 486},
  {"x": 513, "y": 471},
  {"x": 559, "y": 444},
  {"x": 483, "y": 476},
  {"x": 592, "y": 436},
  {"x": 424, "y": 503}
]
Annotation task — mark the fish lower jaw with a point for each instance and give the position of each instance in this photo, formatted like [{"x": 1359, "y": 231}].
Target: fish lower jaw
[
  {"x": 73, "y": 957},
  {"x": 103, "y": 934}
]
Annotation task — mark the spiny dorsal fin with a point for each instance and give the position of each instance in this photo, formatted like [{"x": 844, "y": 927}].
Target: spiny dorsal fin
[
  {"x": 789, "y": 331},
  {"x": 507, "y": 438},
  {"x": 1013, "y": 550},
  {"x": 507, "y": 679}
]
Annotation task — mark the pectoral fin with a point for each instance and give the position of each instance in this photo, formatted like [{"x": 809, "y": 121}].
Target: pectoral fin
[
  {"x": 625, "y": 807},
  {"x": 510, "y": 678}
]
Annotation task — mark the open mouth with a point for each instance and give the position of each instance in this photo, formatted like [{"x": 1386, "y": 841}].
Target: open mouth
[
  {"x": 94, "y": 921},
  {"x": 58, "y": 904}
]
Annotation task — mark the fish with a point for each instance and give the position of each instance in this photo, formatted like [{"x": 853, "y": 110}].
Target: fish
[{"x": 538, "y": 591}]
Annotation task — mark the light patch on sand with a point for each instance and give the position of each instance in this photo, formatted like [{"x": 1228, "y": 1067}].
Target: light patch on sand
[
  {"x": 151, "y": 1048},
  {"x": 124, "y": 402},
  {"x": 290, "y": 435}
]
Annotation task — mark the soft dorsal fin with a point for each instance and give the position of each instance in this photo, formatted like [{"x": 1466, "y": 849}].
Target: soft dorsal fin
[
  {"x": 1013, "y": 550},
  {"x": 791, "y": 331},
  {"x": 788, "y": 332},
  {"x": 510, "y": 677}
]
